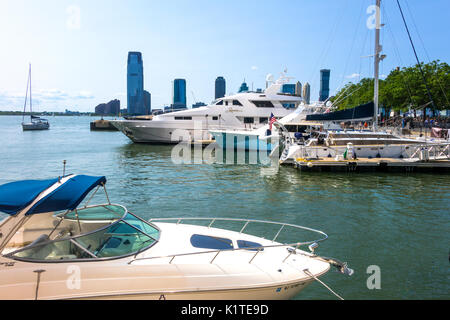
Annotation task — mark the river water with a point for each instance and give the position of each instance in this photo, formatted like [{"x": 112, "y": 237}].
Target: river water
[{"x": 398, "y": 223}]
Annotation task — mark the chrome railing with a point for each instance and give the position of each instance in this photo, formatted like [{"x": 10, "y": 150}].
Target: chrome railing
[{"x": 291, "y": 247}]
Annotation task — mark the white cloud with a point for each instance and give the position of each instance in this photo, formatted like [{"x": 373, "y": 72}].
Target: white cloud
[
  {"x": 353, "y": 76},
  {"x": 254, "y": 68},
  {"x": 12, "y": 100}
]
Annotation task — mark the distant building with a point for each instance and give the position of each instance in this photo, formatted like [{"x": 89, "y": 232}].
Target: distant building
[
  {"x": 324, "y": 92},
  {"x": 179, "y": 94},
  {"x": 147, "y": 102},
  {"x": 243, "y": 88},
  {"x": 198, "y": 105},
  {"x": 307, "y": 93},
  {"x": 112, "y": 107},
  {"x": 220, "y": 88},
  {"x": 288, "y": 88},
  {"x": 298, "y": 89},
  {"x": 72, "y": 113},
  {"x": 135, "y": 84}
]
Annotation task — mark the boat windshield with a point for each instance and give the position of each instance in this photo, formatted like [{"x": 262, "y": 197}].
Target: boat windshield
[{"x": 126, "y": 234}]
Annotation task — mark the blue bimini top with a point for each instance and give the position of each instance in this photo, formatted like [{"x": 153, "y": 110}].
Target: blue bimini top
[{"x": 15, "y": 196}]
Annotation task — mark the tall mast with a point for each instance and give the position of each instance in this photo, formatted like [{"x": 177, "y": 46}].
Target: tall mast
[
  {"x": 377, "y": 60},
  {"x": 31, "y": 101}
]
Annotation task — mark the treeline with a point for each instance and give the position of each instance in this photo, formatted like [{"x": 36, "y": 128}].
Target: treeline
[{"x": 402, "y": 89}]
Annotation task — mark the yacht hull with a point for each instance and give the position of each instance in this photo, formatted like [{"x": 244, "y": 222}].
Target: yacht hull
[{"x": 160, "y": 133}]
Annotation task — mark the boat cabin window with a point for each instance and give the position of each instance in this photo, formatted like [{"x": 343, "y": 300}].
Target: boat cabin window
[
  {"x": 210, "y": 242},
  {"x": 183, "y": 118},
  {"x": 215, "y": 118},
  {"x": 220, "y": 103},
  {"x": 249, "y": 120},
  {"x": 252, "y": 246},
  {"x": 236, "y": 103},
  {"x": 263, "y": 104},
  {"x": 125, "y": 235},
  {"x": 263, "y": 120}
]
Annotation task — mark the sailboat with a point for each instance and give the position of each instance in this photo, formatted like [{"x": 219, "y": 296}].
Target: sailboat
[{"x": 36, "y": 123}]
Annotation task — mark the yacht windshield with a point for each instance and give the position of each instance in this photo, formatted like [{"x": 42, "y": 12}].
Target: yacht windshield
[{"x": 124, "y": 235}]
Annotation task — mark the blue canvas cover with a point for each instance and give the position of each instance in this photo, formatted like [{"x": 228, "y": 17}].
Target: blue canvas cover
[
  {"x": 68, "y": 196},
  {"x": 364, "y": 111},
  {"x": 17, "y": 195}
]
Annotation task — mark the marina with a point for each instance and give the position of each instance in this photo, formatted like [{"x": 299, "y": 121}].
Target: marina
[
  {"x": 330, "y": 182},
  {"x": 410, "y": 211},
  {"x": 373, "y": 165}
]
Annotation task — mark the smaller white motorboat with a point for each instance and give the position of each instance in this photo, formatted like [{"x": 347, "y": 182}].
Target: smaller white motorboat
[{"x": 54, "y": 248}]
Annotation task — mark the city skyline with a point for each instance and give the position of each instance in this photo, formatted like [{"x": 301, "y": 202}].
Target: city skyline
[{"x": 77, "y": 48}]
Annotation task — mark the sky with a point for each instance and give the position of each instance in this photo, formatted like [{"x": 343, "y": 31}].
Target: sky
[{"x": 78, "y": 49}]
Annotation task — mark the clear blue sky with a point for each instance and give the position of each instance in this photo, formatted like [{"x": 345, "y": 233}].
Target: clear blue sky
[{"x": 78, "y": 49}]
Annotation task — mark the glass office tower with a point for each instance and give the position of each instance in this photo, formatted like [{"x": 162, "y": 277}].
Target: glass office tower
[
  {"x": 324, "y": 84},
  {"x": 220, "y": 88},
  {"x": 135, "y": 84},
  {"x": 179, "y": 94}
]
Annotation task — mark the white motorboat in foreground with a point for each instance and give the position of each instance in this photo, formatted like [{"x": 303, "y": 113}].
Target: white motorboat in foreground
[
  {"x": 53, "y": 248},
  {"x": 249, "y": 110}
]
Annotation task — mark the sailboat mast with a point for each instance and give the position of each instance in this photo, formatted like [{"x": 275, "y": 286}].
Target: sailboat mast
[
  {"x": 31, "y": 101},
  {"x": 377, "y": 60},
  {"x": 26, "y": 97}
]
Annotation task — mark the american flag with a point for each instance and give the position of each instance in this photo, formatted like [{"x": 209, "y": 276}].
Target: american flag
[{"x": 272, "y": 121}]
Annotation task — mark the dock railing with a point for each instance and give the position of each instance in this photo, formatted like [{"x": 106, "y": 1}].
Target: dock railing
[{"x": 291, "y": 247}]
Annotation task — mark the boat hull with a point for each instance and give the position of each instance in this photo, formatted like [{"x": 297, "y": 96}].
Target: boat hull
[
  {"x": 35, "y": 126},
  {"x": 241, "y": 141},
  {"x": 280, "y": 292}
]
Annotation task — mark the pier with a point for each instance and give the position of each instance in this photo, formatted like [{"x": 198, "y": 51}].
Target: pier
[
  {"x": 374, "y": 165},
  {"x": 102, "y": 125}
]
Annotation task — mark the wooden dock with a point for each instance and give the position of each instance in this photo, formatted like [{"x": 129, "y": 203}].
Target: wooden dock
[
  {"x": 102, "y": 125},
  {"x": 374, "y": 165}
]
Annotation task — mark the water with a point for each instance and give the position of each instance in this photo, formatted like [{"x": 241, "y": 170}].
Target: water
[{"x": 399, "y": 222}]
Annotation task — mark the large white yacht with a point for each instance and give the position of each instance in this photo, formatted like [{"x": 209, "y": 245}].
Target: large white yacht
[
  {"x": 245, "y": 110},
  {"x": 52, "y": 247}
]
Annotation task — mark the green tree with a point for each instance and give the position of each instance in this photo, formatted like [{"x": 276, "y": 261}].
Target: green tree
[{"x": 402, "y": 88}]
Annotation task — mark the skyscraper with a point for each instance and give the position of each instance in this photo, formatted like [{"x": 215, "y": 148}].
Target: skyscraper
[
  {"x": 135, "y": 84},
  {"x": 307, "y": 93},
  {"x": 179, "y": 94},
  {"x": 220, "y": 88},
  {"x": 147, "y": 102},
  {"x": 324, "y": 84},
  {"x": 298, "y": 89}
]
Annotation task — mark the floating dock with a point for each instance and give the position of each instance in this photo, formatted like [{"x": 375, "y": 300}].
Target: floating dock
[
  {"x": 102, "y": 125},
  {"x": 374, "y": 165}
]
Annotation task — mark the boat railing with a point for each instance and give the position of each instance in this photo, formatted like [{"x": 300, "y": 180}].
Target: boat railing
[
  {"x": 291, "y": 246},
  {"x": 430, "y": 151}
]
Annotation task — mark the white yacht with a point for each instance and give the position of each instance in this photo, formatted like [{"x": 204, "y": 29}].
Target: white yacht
[
  {"x": 54, "y": 248},
  {"x": 245, "y": 110}
]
